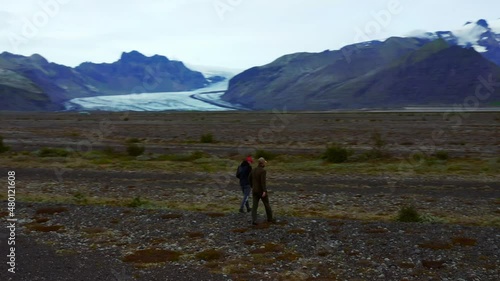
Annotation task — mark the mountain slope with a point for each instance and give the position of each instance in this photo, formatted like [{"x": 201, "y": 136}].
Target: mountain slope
[
  {"x": 136, "y": 73},
  {"x": 295, "y": 80},
  {"x": 18, "y": 92},
  {"x": 430, "y": 76},
  {"x": 395, "y": 73},
  {"x": 54, "y": 84}
]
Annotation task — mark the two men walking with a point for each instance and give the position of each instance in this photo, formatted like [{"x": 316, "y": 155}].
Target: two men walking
[{"x": 257, "y": 181}]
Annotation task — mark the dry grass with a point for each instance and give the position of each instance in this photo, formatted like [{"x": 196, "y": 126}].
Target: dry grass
[
  {"x": 152, "y": 256},
  {"x": 432, "y": 264},
  {"x": 216, "y": 215},
  {"x": 464, "y": 241},
  {"x": 436, "y": 245},
  {"x": 289, "y": 257},
  {"x": 210, "y": 255},
  {"x": 44, "y": 228},
  {"x": 296, "y": 231},
  {"x": 195, "y": 234},
  {"x": 250, "y": 242},
  {"x": 240, "y": 230},
  {"x": 41, "y": 219}
]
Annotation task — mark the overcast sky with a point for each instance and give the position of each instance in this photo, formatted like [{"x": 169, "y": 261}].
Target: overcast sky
[{"x": 228, "y": 33}]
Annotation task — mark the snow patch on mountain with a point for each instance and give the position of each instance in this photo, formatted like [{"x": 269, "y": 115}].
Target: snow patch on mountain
[
  {"x": 495, "y": 26},
  {"x": 470, "y": 34}
]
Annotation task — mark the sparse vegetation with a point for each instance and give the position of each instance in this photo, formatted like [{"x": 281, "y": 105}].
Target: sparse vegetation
[
  {"x": 53, "y": 152},
  {"x": 195, "y": 155},
  {"x": 268, "y": 155},
  {"x": 207, "y": 138},
  {"x": 3, "y": 147},
  {"x": 80, "y": 198},
  {"x": 378, "y": 149}
]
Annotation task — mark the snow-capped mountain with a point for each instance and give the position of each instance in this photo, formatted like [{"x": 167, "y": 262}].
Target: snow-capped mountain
[{"x": 482, "y": 35}]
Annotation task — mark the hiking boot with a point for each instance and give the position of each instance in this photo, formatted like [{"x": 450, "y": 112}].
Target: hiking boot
[
  {"x": 254, "y": 223},
  {"x": 249, "y": 210},
  {"x": 241, "y": 211},
  {"x": 271, "y": 221}
]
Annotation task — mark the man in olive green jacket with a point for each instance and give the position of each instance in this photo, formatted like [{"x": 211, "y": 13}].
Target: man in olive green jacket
[{"x": 259, "y": 191}]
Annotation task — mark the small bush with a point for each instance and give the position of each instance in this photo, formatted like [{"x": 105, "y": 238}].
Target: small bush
[
  {"x": 442, "y": 155},
  {"x": 378, "y": 141},
  {"x": 133, "y": 140},
  {"x": 53, "y": 152},
  {"x": 3, "y": 147},
  {"x": 336, "y": 154},
  {"x": 265, "y": 154},
  {"x": 137, "y": 202},
  {"x": 207, "y": 138},
  {"x": 408, "y": 214},
  {"x": 134, "y": 149}
]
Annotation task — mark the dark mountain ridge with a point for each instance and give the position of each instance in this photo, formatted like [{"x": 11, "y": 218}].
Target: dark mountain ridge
[{"x": 54, "y": 84}]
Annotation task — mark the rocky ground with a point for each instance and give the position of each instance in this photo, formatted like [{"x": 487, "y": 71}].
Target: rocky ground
[
  {"x": 100, "y": 219},
  {"x": 342, "y": 231}
]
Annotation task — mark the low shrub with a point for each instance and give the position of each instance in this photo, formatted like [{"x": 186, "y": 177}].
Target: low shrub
[
  {"x": 207, "y": 138},
  {"x": 133, "y": 140},
  {"x": 134, "y": 149},
  {"x": 408, "y": 214},
  {"x": 53, "y": 152},
  {"x": 137, "y": 202},
  {"x": 265, "y": 154},
  {"x": 442, "y": 155},
  {"x": 336, "y": 154},
  {"x": 3, "y": 147}
]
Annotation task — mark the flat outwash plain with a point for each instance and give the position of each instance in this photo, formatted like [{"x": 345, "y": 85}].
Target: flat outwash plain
[{"x": 153, "y": 196}]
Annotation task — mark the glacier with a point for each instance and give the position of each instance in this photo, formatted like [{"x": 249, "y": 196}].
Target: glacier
[{"x": 203, "y": 99}]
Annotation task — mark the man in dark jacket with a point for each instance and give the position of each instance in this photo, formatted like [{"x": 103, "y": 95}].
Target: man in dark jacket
[
  {"x": 259, "y": 191},
  {"x": 243, "y": 173}
]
